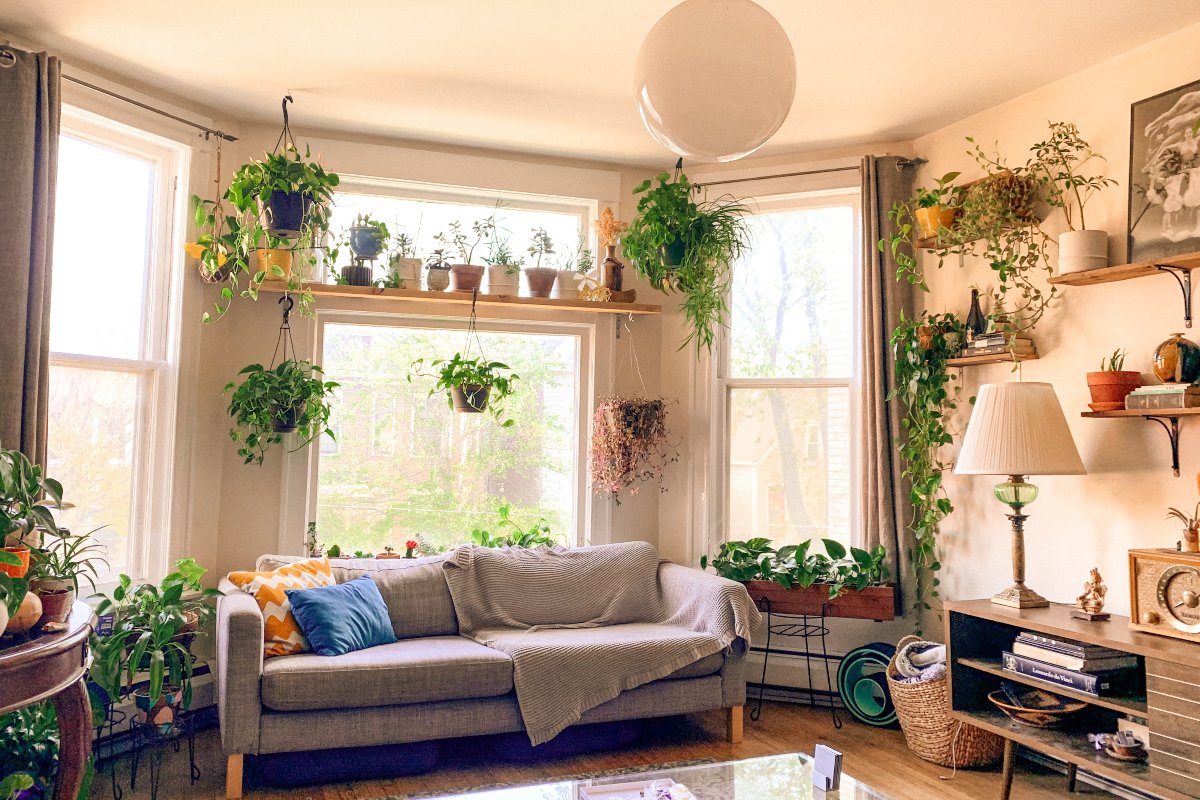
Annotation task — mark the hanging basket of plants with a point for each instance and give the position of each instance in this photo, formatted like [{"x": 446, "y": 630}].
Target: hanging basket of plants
[{"x": 630, "y": 445}]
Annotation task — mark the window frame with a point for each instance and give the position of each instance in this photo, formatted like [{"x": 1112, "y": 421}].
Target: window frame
[
  {"x": 723, "y": 384},
  {"x": 588, "y": 527},
  {"x": 155, "y": 455}
]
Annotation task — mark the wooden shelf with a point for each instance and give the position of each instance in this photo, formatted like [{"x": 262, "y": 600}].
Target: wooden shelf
[
  {"x": 991, "y": 358},
  {"x": 464, "y": 298},
  {"x": 1124, "y": 272},
  {"x": 1168, "y": 418},
  {"x": 1125, "y": 704}
]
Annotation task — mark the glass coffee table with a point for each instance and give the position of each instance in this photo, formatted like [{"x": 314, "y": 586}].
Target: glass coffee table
[{"x": 787, "y": 777}]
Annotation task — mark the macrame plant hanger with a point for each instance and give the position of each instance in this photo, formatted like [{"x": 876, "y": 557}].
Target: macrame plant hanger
[
  {"x": 633, "y": 359},
  {"x": 473, "y": 331},
  {"x": 221, "y": 273}
]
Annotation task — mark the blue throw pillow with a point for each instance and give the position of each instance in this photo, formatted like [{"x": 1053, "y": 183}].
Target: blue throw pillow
[{"x": 344, "y": 618}]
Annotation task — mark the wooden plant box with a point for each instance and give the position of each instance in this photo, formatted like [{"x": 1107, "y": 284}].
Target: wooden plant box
[{"x": 874, "y": 602}]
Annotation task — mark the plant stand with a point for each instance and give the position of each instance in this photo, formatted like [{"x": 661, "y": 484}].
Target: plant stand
[
  {"x": 105, "y": 748},
  {"x": 145, "y": 735},
  {"x": 808, "y": 627}
]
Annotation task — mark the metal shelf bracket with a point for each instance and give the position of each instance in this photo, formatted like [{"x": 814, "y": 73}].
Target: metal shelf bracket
[
  {"x": 1171, "y": 426},
  {"x": 1182, "y": 276}
]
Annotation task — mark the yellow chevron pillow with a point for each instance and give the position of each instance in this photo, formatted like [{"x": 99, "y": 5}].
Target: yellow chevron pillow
[{"x": 281, "y": 632}]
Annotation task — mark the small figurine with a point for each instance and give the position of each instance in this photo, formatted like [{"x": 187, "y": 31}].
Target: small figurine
[{"x": 1091, "y": 602}]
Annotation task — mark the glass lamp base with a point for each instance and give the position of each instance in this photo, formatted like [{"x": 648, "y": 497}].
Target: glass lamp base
[{"x": 1020, "y": 596}]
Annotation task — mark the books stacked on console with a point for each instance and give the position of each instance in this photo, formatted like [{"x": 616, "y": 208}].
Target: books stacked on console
[
  {"x": 1087, "y": 668},
  {"x": 1163, "y": 395},
  {"x": 997, "y": 342}
]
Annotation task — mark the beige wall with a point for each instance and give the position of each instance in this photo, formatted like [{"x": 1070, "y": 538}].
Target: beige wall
[{"x": 1092, "y": 520}]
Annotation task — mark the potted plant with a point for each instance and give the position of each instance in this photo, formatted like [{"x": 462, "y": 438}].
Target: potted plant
[
  {"x": 1058, "y": 164},
  {"x": 512, "y": 534},
  {"x": 679, "y": 245},
  {"x": 1191, "y": 528},
  {"x": 609, "y": 229},
  {"x": 503, "y": 268},
  {"x": 404, "y": 268},
  {"x": 282, "y": 202},
  {"x": 629, "y": 445},
  {"x": 153, "y": 626},
  {"x": 270, "y": 402},
  {"x": 410, "y": 548},
  {"x": 936, "y": 208},
  {"x": 466, "y": 276},
  {"x": 367, "y": 237},
  {"x": 472, "y": 385},
  {"x": 437, "y": 272},
  {"x": 575, "y": 267},
  {"x": 57, "y": 567},
  {"x": 1111, "y": 384},
  {"x": 12, "y": 590},
  {"x": 539, "y": 279},
  {"x": 791, "y": 580}
]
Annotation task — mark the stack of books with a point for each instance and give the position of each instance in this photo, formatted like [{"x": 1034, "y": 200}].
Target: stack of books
[
  {"x": 998, "y": 342},
  {"x": 1164, "y": 395},
  {"x": 1087, "y": 668}
]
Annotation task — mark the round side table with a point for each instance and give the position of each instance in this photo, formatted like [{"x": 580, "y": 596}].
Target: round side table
[{"x": 54, "y": 666}]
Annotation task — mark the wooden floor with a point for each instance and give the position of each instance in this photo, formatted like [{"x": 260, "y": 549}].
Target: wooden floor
[{"x": 876, "y": 757}]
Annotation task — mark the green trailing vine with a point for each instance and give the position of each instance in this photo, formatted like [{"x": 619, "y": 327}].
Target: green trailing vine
[{"x": 929, "y": 394}]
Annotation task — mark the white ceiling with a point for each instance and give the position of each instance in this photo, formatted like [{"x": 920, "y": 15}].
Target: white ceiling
[{"x": 554, "y": 77}]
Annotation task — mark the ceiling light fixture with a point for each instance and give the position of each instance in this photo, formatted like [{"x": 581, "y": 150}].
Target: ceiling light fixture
[{"x": 715, "y": 79}]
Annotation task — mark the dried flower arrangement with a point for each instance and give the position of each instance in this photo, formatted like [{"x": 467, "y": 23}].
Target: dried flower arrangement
[
  {"x": 629, "y": 445},
  {"x": 609, "y": 228}
]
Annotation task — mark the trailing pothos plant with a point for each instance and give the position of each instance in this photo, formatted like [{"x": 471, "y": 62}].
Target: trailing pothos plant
[
  {"x": 470, "y": 375},
  {"x": 232, "y": 228},
  {"x": 510, "y": 533},
  {"x": 293, "y": 396},
  {"x": 794, "y": 565},
  {"x": 928, "y": 393},
  {"x": 680, "y": 245}
]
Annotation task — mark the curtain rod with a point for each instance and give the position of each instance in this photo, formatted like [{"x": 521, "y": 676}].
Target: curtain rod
[
  {"x": 207, "y": 130},
  {"x": 907, "y": 162}
]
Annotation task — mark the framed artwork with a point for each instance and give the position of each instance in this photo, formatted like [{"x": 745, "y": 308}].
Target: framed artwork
[{"x": 1164, "y": 174}]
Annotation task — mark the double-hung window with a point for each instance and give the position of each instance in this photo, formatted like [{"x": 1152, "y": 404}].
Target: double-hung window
[
  {"x": 787, "y": 372},
  {"x": 113, "y": 369}
]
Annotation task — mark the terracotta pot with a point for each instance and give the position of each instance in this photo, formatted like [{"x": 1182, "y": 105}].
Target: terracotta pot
[
  {"x": 540, "y": 281},
  {"x": 270, "y": 257},
  {"x": 470, "y": 398},
  {"x": 465, "y": 277},
  {"x": 56, "y": 605},
  {"x": 389, "y": 555},
  {"x": 932, "y": 219},
  {"x": 1110, "y": 388},
  {"x": 874, "y": 602},
  {"x": 437, "y": 279},
  {"x": 14, "y": 571}
]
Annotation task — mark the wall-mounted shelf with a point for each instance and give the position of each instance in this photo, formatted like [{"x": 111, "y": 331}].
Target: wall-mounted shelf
[
  {"x": 464, "y": 298},
  {"x": 991, "y": 358},
  {"x": 1168, "y": 418},
  {"x": 1178, "y": 267}
]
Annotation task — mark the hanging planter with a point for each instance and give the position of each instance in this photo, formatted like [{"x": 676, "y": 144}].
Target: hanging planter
[
  {"x": 284, "y": 212},
  {"x": 470, "y": 398},
  {"x": 629, "y": 445},
  {"x": 289, "y": 397}
]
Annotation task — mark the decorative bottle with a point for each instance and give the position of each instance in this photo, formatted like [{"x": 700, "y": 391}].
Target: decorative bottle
[{"x": 976, "y": 322}]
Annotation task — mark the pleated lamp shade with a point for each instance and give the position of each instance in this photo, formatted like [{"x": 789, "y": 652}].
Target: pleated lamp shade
[{"x": 1018, "y": 429}]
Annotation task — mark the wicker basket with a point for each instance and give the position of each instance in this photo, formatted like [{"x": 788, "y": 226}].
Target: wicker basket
[{"x": 924, "y": 713}]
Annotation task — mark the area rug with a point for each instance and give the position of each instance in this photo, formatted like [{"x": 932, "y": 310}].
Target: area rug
[{"x": 537, "y": 781}]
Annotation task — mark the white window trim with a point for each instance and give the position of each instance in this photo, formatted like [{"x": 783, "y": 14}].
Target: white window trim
[
  {"x": 592, "y": 520},
  {"x": 711, "y": 388},
  {"x": 154, "y": 515}
]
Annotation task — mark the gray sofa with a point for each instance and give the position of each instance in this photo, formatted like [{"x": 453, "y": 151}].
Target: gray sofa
[{"x": 431, "y": 684}]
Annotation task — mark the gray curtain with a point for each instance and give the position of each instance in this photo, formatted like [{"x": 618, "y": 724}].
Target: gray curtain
[
  {"x": 884, "y": 501},
  {"x": 29, "y": 124}
]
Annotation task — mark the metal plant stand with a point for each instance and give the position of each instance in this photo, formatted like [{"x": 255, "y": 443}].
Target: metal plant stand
[
  {"x": 808, "y": 627},
  {"x": 147, "y": 736}
]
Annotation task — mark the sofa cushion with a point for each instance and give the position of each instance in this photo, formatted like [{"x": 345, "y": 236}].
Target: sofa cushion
[
  {"x": 709, "y": 665},
  {"x": 409, "y": 671},
  {"x": 281, "y": 632},
  {"x": 341, "y": 619}
]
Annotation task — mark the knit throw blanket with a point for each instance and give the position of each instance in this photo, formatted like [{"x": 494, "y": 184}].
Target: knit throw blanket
[{"x": 585, "y": 624}]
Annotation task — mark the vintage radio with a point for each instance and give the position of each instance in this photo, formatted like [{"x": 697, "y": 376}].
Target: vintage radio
[{"x": 1165, "y": 589}]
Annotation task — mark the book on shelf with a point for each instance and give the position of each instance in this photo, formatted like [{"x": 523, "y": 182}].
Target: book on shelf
[
  {"x": 1103, "y": 663},
  {"x": 1018, "y": 349},
  {"x": 984, "y": 342},
  {"x": 1069, "y": 646},
  {"x": 1166, "y": 388},
  {"x": 1100, "y": 684},
  {"x": 1162, "y": 400}
]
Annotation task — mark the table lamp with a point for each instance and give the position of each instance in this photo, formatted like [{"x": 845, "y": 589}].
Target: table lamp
[{"x": 1018, "y": 429}]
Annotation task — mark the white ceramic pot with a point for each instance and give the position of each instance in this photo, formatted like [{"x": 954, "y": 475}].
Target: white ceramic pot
[
  {"x": 567, "y": 285},
  {"x": 1082, "y": 250},
  {"x": 500, "y": 282},
  {"x": 408, "y": 270}
]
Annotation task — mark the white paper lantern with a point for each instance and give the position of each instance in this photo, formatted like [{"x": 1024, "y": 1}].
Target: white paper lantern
[{"x": 715, "y": 79}]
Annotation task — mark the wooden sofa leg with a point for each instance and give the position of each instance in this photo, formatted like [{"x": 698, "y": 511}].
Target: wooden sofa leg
[
  {"x": 733, "y": 725},
  {"x": 233, "y": 777}
]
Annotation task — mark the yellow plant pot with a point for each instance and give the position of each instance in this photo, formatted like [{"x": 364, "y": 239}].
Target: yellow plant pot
[
  {"x": 931, "y": 220},
  {"x": 270, "y": 258}
]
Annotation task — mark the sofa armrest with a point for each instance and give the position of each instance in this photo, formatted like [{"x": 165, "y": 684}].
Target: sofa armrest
[{"x": 239, "y": 669}]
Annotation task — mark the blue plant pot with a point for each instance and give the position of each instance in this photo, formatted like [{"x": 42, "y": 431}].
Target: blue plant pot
[
  {"x": 366, "y": 241},
  {"x": 285, "y": 212}
]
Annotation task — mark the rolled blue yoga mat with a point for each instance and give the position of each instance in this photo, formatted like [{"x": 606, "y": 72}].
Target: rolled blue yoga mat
[{"x": 862, "y": 685}]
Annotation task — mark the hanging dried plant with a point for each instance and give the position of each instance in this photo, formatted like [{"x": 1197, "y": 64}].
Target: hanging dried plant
[{"x": 629, "y": 445}]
